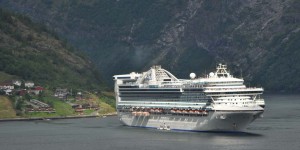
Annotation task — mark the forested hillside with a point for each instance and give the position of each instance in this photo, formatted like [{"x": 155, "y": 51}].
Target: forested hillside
[
  {"x": 258, "y": 39},
  {"x": 31, "y": 52}
]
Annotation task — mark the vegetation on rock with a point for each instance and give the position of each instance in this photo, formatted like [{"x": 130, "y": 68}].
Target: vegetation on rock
[
  {"x": 31, "y": 52},
  {"x": 258, "y": 39}
]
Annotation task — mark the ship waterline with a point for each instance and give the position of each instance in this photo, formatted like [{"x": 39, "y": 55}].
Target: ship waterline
[
  {"x": 215, "y": 121},
  {"x": 157, "y": 99}
]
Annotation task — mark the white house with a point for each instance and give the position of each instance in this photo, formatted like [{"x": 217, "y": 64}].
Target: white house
[
  {"x": 6, "y": 86},
  {"x": 37, "y": 90},
  {"x": 8, "y": 91},
  {"x": 29, "y": 84},
  {"x": 17, "y": 82},
  {"x": 61, "y": 93}
]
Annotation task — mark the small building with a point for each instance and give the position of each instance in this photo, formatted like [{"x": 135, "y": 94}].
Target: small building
[
  {"x": 79, "y": 96},
  {"x": 17, "y": 82},
  {"x": 61, "y": 93},
  {"x": 37, "y": 90},
  {"x": 29, "y": 84},
  {"x": 37, "y": 106},
  {"x": 21, "y": 92},
  {"x": 8, "y": 91},
  {"x": 6, "y": 86}
]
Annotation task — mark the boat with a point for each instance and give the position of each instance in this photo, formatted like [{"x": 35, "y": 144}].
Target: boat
[
  {"x": 216, "y": 102},
  {"x": 164, "y": 127}
]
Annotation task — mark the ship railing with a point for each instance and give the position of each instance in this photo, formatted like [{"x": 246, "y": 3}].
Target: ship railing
[
  {"x": 235, "y": 105},
  {"x": 153, "y": 104},
  {"x": 146, "y": 111},
  {"x": 233, "y": 89},
  {"x": 162, "y": 86},
  {"x": 192, "y": 86},
  {"x": 230, "y": 94}
]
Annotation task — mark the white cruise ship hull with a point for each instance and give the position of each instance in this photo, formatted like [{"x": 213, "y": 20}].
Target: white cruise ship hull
[
  {"x": 214, "y": 121},
  {"x": 157, "y": 99}
]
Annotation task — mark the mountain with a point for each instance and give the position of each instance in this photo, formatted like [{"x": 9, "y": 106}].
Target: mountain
[
  {"x": 258, "y": 39},
  {"x": 29, "y": 51}
]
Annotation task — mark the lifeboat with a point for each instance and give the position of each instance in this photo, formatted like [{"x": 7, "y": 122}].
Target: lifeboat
[
  {"x": 184, "y": 112},
  {"x": 191, "y": 112},
  {"x": 146, "y": 114},
  {"x": 178, "y": 111},
  {"x": 157, "y": 110},
  {"x": 173, "y": 111},
  {"x": 152, "y": 110},
  {"x": 139, "y": 113},
  {"x": 134, "y": 113}
]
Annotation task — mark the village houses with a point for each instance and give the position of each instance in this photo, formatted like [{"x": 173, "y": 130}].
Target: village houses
[{"x": 7, "y": 87}]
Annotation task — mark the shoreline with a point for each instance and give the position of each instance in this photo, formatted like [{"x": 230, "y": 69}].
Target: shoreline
[{"x": 56, "y": 118}]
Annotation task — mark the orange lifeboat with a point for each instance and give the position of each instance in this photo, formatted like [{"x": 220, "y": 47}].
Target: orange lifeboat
[
  {"x": 134, "y": 113},
  {"x": 191, "y": 112},
  {"x": 139, "y": 113},
  {"x": 178, "y": 111},
  {"x": 157, "y": 110},
  {"x": 146, "y": 113},
  {"x": 173, "y": 111}
]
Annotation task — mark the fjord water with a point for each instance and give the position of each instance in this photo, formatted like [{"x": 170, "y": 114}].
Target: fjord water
[{"x": 279, "y": 129}]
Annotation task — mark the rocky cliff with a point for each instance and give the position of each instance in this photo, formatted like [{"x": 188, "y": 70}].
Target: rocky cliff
[{"x": 258, "y": 39}]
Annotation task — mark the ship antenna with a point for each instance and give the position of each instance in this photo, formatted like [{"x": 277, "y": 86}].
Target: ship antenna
[{"x": 241, "y": 73}]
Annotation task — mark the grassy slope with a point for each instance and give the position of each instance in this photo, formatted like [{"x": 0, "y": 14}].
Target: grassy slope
[
  {"x": 62, "y": 108},
  {"x": 104, "y": 107},
  {"x": 5, "y": 77},
  {"x": 31, "y": 52},
  {"x": 6, "y": 109}
]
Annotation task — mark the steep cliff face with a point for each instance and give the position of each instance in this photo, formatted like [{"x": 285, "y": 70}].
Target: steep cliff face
[
  {"x": 256, "y": 38},
  {"x": 259, "y": 37}
]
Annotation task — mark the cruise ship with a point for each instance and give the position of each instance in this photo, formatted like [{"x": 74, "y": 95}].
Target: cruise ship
[{"x": 216, "y": 102}]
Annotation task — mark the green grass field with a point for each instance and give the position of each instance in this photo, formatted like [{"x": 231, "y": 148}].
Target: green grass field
[
  {"x": 104, "y": 107},
  {"x": 6, "y": 108}
]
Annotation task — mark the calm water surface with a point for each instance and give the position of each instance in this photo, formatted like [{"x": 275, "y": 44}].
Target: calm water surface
[{"x": 279, "y": 129}]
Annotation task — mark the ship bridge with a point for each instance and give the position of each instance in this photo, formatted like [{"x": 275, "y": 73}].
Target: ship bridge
[
  {"x": 156, "y": 75},
  {"x": 221, "y": 72}
]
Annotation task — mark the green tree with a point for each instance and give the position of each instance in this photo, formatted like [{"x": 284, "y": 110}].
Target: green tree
[{"x": 27, "y": 97}]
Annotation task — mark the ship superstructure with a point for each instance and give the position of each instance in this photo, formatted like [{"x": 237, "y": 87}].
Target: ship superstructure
[{"x": 157, "y": 99}]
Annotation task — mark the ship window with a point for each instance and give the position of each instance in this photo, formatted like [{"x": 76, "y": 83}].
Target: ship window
[{"x": 123, "y": 77}]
